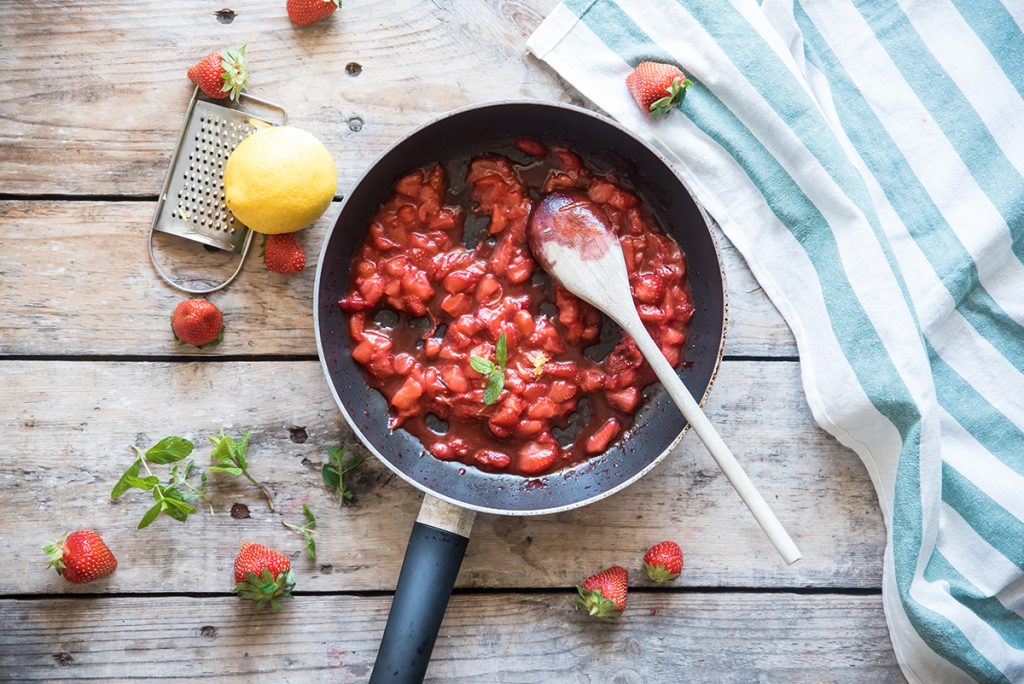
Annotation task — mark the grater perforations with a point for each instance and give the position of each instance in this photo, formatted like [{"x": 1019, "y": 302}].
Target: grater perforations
[{"x": 195, "y": 201}]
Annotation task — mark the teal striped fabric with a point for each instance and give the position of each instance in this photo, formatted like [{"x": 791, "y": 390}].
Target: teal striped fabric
[{"x": 867, "y": 158}]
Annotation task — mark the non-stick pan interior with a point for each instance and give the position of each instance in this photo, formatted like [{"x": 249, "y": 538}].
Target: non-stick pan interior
[{"x": 602, "y": 144}]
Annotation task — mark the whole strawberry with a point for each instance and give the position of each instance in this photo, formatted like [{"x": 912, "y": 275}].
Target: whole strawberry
[
  {"x": 282, "y": 253},
  {"x": 198, "y": 322},
  {"x": 80, "y": 557},
  {"x": 263, "y": 575},
  {"x": 304, "y": 12},
  {"x": 664, "y": 561},
  {"x": 657, "y": 87},
  {"x": 221, "y": 74},
  {"x": 603, "y": 594}
]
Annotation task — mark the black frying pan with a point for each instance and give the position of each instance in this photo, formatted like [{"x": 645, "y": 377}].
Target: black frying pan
[{"x": 441, "y": 532}]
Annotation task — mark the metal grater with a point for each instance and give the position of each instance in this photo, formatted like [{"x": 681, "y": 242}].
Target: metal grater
[{"x": 191, "y": 204}]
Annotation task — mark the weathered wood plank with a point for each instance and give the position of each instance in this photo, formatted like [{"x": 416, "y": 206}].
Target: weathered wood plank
[
  {"x": 76, "y": 280},
  {"x": 694, "y": 637},
  {"x": 70, "y": 425},
  {"x": 111, "y": 128}
]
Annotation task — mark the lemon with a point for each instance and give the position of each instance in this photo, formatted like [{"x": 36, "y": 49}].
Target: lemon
[{"x": 279, "y": 180}]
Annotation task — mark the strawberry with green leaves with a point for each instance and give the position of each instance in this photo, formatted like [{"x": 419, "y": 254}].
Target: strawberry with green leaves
[
  {"x": 197, "y": 322},
  {"x": 603, "y": 594},
  {"x": 664, "y": 561},
  {"x": 657, "y": 88},
  {"x": 80, "y": 557},
  {"x": 303, "y": 12},
  {"x": 221, "y": 74},
  {"x": 264, "y": 576}
]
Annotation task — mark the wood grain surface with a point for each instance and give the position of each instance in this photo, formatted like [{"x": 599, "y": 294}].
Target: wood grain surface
[
  {"x": 109, "y": 127},
  {"x": 691, "y": 637},
  {"x": 77, "y": 281}
]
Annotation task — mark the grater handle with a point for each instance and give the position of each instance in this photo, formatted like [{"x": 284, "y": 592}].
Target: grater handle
[
  {"x": 178, "y": 286},
  {"x": 283, "y": 119}
]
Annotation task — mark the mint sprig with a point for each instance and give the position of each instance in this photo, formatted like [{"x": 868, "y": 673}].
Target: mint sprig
[
  {"x": 189, "y": 492},
  {"x": 494, "y": 372},
  {"x": 339, "y": 462},
  {"x": 168, "y": 497},
  {"x": 305, "y": 530},
  {"x": 229, "y": 457}
]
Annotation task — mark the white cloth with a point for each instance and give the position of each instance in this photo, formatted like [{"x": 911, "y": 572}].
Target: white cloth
[{"x": 867, "y": 159}]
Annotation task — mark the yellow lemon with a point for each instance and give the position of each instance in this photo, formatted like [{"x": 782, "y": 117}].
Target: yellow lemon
[{"x": 279, "y": 180}]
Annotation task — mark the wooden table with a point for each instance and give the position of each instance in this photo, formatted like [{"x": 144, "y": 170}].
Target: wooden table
[{"x": 91, "y": 97}]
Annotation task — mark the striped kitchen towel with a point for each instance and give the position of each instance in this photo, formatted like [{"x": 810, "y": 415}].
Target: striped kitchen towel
[{"x": 867, "y": 158}]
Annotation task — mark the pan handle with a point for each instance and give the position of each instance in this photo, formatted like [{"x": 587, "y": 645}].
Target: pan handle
[{"x": 432, "y": 560}]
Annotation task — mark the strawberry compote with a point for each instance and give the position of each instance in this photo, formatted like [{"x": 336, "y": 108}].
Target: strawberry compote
[{"x": 422, "y": 300}]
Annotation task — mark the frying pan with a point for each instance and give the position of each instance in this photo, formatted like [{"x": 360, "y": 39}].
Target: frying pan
[{"x": 454, "y": 494}]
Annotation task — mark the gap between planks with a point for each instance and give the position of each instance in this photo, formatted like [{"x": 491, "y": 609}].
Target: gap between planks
[{"x": 470, "y": 591}]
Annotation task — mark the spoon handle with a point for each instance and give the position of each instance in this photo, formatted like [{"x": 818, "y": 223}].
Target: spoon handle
[{"x": 706, "y": 431}]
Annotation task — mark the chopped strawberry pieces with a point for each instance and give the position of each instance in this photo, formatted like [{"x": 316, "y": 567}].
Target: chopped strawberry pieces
[
  {"x": 531, "y": 147},
  {"x": 603, "y": 436},
  {"x": 455, "y": 302},
  {"x": 489, "y": 459},
  {"x": 537, "y": 457}
]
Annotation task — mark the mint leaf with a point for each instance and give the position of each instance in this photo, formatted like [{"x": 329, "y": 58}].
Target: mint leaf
[
  {"x": 332, "y": 478},
  {"x": 124, "y": 484},
  {"x": 144, "y": 483},
  {"x": 150, "y": 516},
  {"x": 495, "y": 373},
  {"x": 311, "y": 546},
  {"x": 495, "y": 383},
  {"x": 175, "y": 513},
  {"x": 481, "y": 366},
  {"x": 239, "y": 451},
  {"x": 180, "y": 505},
  {"x": 174, "y": 504},
  {"x": 231, "y": 470},
  {"x": 310, "y": 520},
  {"x": 169, "y": 450},
  {"x": 221, "y": 448},
  {"x": 501, "y": 351}
]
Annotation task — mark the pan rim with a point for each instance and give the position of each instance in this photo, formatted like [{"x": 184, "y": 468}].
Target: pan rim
[{"x": 321, "y": 353}]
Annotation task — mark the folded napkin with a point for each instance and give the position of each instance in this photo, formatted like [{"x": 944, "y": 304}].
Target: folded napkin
[{"x": 867, "y": 158}]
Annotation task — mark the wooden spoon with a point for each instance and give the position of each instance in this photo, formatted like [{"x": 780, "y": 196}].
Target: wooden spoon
[{"x": 573, "y": 241}]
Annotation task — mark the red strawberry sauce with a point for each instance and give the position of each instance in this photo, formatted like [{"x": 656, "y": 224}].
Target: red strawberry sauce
[{"x": 421, "y": 302}]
